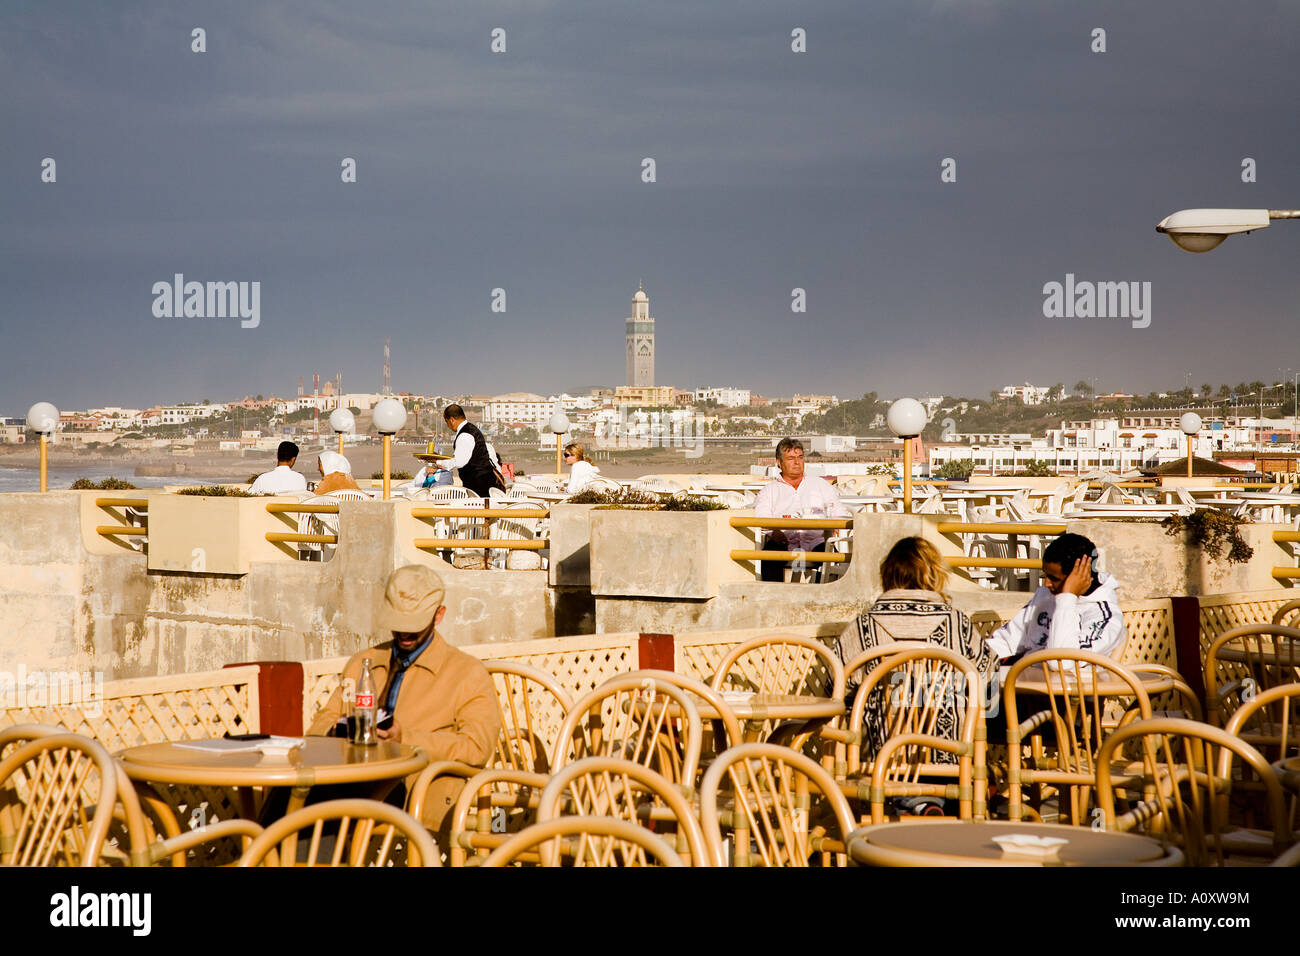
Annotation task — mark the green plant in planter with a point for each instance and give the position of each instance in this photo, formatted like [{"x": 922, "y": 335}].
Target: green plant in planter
[
  {"x": 393, "y": 475},
  {"x": 108, "y": 484},
  {"x": 215, "y": 491},
  {"x": 1212, "y": 532},
  {"x": 645, "y": 501}
]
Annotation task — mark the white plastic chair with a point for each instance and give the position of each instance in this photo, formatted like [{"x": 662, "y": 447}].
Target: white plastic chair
[{"x": 516, "y": 529}]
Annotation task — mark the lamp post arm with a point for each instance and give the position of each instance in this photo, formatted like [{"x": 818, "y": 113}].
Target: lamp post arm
[{"x": 1284, "y": 214}]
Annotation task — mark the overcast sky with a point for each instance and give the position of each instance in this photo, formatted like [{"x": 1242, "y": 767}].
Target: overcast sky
[{"x": 522, "y": 170}]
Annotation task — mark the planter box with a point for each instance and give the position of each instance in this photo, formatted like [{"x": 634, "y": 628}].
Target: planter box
[
  {"x": 665, "y": 554},
  {"x": 571, "y": 545},
  {"x": 213, "y": 535}
]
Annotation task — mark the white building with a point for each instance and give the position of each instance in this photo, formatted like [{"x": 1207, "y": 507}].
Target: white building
[
  {"x": 518, "y": 408},
  {"x": 1109, "y": 444},
  {"x": 180, "y": 414},
  {"x": 1029, "y": 394},
  {"x": 833, "y": 444},
  {"x": 725, "y": 396}
]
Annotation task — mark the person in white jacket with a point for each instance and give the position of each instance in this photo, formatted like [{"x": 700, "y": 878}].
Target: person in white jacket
[
  {"x": 582, "y": 470},
  {"x": 1077, "y": 608}
]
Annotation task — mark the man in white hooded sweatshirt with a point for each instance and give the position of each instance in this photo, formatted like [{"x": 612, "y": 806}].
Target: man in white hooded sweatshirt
[{"x": 1076, "y": 608}]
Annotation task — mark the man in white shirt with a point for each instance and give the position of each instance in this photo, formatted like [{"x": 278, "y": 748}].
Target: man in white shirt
[
  {"x": 282, "y": 479},
  {"x": 792, "y": 494},
  {"x": 472, "y": 456}
]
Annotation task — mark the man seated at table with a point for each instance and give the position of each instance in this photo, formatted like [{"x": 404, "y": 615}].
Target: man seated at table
[
  {"x": 282, "y": 479},
  {"x": 442, "y": 700},
  {"x": 1075, "y": 609},
  {"x": 792, "y": 494}
]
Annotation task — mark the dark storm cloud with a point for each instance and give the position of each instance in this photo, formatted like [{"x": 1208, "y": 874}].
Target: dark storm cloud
[{"x": 775, "y": 170}]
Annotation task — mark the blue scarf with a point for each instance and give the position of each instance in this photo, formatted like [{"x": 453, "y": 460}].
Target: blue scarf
[{"x": 397, "y": 665}]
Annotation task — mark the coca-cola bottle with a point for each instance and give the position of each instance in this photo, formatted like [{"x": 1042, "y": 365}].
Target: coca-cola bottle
[{"x": 365, "y": 707}]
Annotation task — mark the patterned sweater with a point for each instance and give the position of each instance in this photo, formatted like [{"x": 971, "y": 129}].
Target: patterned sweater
[{"x": 902, "y": 617}]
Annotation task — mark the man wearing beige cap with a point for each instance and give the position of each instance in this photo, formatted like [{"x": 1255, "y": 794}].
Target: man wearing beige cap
[{"x": 442, "y": 700}]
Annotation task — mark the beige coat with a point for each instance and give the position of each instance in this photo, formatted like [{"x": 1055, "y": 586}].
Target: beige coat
[{"x": 446, "y": 706}]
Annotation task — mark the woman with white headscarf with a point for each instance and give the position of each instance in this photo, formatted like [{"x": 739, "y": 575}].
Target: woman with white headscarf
[{"x": 336, "y": 473}]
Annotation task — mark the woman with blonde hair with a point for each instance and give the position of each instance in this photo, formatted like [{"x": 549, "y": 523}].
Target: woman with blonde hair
[
  {"x": 914, "y": 608},
  {"x": 583, "y": 470}
]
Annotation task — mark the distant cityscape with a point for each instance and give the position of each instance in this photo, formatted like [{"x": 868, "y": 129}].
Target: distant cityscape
[{"x": 1013, "y": 430}]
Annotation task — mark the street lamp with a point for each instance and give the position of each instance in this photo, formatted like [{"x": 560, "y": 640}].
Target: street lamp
[
  {"x": 1200, "y": 230},
  {"x": 389, "y": 417},
  {"x": 342, "y": 421},
  {"x": 559, "y": 424},
  {"x": 43, "y": 418},
  {"x": 906, "y": 419},
  {"x": 1190, "y": 423}
]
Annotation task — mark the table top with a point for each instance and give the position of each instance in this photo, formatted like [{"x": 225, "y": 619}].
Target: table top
[
  {"x": 320, "y": 760},
  {"x": 1034, "y": 680},
  {"x": 1276, "y": 649},
  {"x": 775, "y": 707},
  {"x": 960, "y": 843}
]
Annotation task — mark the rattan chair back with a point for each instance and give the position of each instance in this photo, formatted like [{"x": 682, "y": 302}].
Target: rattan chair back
[
  {"x": 57, "y": 794},
  {"x": 916, "y": 728},
  {"x": 1075, "y": 713},
  {"x": 532, "y": 706},
  {"x": 778, "y": 807},
  {"x": 368, "y": 833},
  {"x": 606, "y": 787},
  {"x": 587, "y": 841},
  {"x": 643, "y": 719},
  {"x": 1186, "y": 778},
  {"x": 1287, "y": 613},
  {"x": 1246, "y": 661}
]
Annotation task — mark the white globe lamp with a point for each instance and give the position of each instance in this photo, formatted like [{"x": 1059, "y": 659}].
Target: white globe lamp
[
  {"x": 43, "y": 418},
  {"x": 389, "y": 416},
  {"x": 906, "y": 419}
]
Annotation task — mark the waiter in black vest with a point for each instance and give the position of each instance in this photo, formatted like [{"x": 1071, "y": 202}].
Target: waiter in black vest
[{"x": 478, "y": 472}]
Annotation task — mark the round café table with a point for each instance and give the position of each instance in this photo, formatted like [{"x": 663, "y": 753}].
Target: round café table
[
  {"x": 959, "y": 843},
  {"x": 1033, "y": 679},
  {"x": 319, "y": 760}
]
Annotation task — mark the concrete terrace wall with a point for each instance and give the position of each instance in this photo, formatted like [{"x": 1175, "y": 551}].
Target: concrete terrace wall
[
  {"x": 64, "y": 607},
  {"x": 72, "y": 600}
]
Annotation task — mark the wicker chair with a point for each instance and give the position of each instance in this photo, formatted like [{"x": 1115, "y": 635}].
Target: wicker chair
[
  {"x": 727, "y": 730},
  {"x": 1245, "y": 661},
  {"x": 622, "y": 844},
  {"x": 1269, "y": 722},
  {"x": 1186, "y": 778},
  {"x": 532, "y": 706},
  {"x": 1076, "y": 713},
  {"x": 1286, "y": 612},
  {"x": 916, "y": 702},
  {"x": 369, "y": 833},
  {"x": 133, "y": 834},
  {"x": 57, "y": 794},
  {"x": 801, "y": 666},
  {"x": 780, "y": 808},
  {"x": 648, "y": 721},
  {"x": 606, "y": 787}
]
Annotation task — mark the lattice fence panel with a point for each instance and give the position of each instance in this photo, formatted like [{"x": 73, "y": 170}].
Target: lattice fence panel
[
  {"x": 320, "y": 678},
  {"x": 764, "y": 671},
  {"x": 530, "y": 719},
  {"x": 1223, "y": 612},
  {"x": 160, "y": 709},
  {"x": 579, "y": 664}
]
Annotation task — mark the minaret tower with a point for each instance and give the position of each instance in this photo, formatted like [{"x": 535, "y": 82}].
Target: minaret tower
[{"x": 640, "y": 341}]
